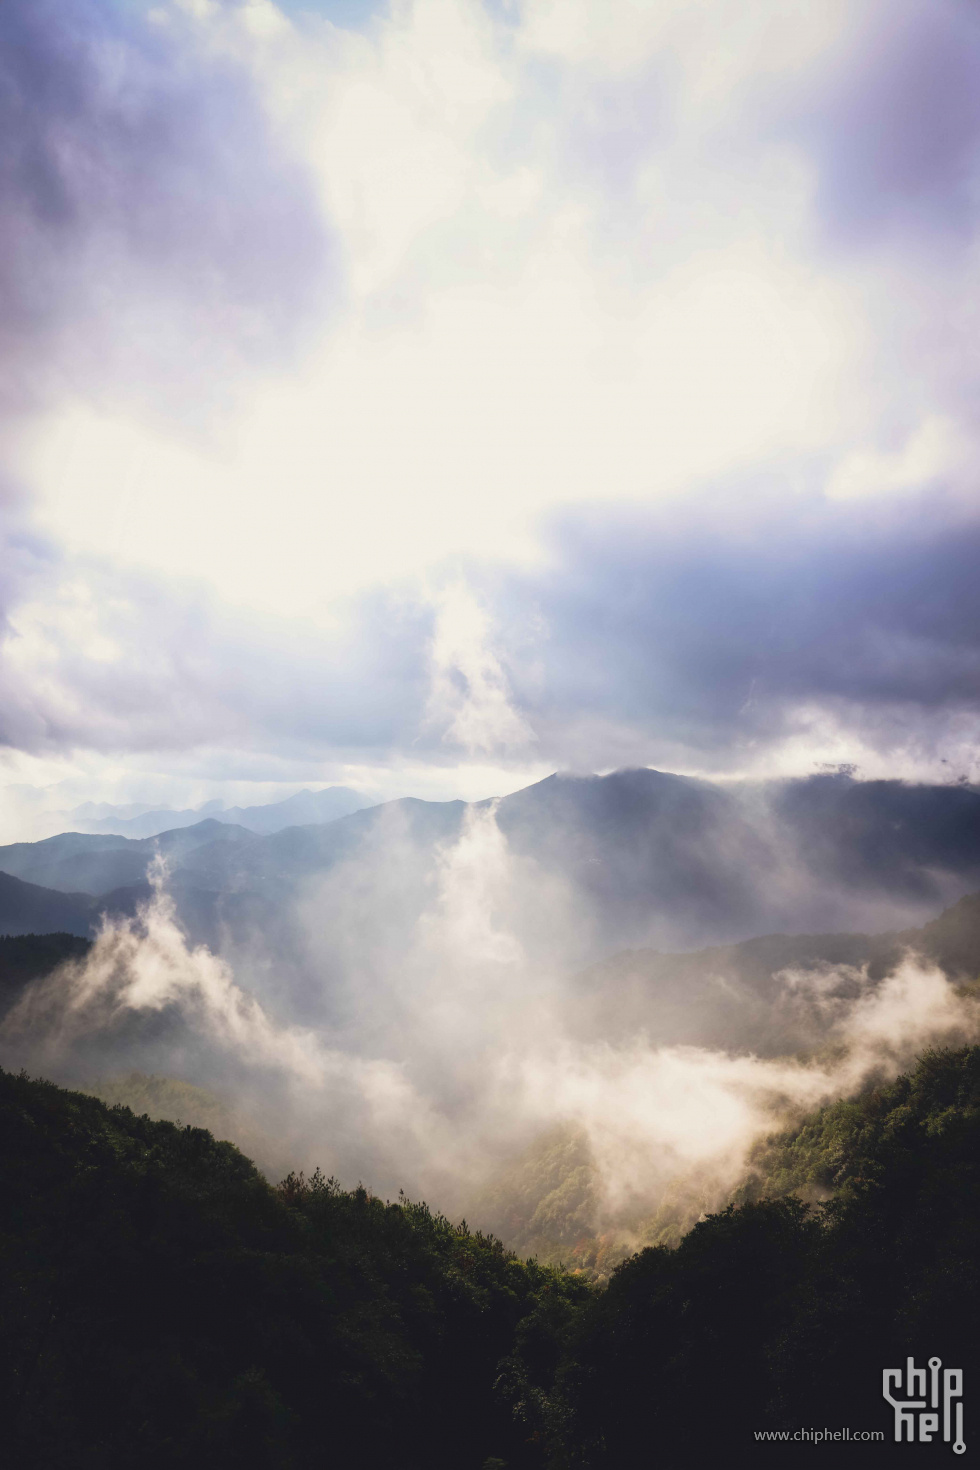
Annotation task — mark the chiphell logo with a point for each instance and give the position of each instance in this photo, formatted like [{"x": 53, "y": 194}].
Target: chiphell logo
[{"x": 927, "y": 1394}]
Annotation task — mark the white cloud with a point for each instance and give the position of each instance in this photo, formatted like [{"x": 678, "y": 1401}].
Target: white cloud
[
  {"x": 937, "y": 452},
  {"x": 469, "y": 699},
  {"x": 576, "y": 264},
  {"x": 493, "y": 361}
]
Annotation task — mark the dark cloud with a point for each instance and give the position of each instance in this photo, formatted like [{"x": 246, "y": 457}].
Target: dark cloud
[
  {"x": 147, "y": 210},
  {"x": 895, "y": 131},
  {"x": 710, "y": 633}
]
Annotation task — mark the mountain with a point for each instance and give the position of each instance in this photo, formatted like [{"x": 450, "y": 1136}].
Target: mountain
[
  {"x": 597, "y": 864},
  {"x": 91, "y": 863},
  {"x": 692, "y": 862},
  {"x": 234, "y": 886},
  {"x": 306, "y": 806},
  {"x": 26, "y": 908}
]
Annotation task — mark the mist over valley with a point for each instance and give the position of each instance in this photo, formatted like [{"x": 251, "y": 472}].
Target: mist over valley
[{"x": 421, "y": 996}]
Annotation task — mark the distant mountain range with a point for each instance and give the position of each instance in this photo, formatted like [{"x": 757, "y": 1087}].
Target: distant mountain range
[
  {"x": 638, "y": 859},
  {"x": 294, "y": 811}
]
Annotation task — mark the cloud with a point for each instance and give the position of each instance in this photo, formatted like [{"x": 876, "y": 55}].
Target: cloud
[
  {"x": 711, "y": 636},
  {"x": 704, "y": 637},
  {"x": 155, "y": 230},
  {"x": 469, "y": 698},
  {"x": 669, "y": 1124},
  {"x": 896, "y": 131},
  {"x": 158, "y": 239},
  {"x": 613, "y": 299}
]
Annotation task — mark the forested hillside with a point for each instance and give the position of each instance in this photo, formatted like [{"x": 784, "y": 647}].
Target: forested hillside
[
  {"x": 777, "y": 1314},
  {"x": 163, "y": 1305}
]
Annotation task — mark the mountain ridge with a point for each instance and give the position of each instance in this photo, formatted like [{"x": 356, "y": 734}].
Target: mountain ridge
[
  {"x": 642, "y": 858},
  {"x": 264, "y": 817}
]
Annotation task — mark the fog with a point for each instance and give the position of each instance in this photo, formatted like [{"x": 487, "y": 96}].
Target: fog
[{"x": 437, "y": 1045}]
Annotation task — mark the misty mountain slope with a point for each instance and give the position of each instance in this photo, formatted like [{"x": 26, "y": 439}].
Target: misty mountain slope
[
  {"x": 837, "y": 1148},
  {"x": 952, "y": 941},
  {"x": 301, "y": 851},
  {"x": 52, "y": 861},
  {"x": 207, "y": 915},
  {"x": 28, "y": 908},
  {"x": 640, "y": 857},
  {"x": 262, "y": 880},
  {"x": 689, "y": 862},
  {"x": 892, "y": 834},
  {"x": 773, "y": 994},
  {"x": 108, "y": 1040},
  {"x": 220, "y": 853},
  {"x": 640, "y": 841},
  {"x": 171, "y": 1100},
  {"x": 546, "y": 1203}
]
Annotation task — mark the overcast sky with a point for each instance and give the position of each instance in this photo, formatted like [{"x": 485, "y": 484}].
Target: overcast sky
[{"x": 427, "y": 396}]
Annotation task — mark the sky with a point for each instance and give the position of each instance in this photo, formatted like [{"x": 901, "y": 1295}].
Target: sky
[{"x": 428, "y": 395}]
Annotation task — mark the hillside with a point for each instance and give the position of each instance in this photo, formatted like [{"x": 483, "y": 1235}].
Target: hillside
[
  {"x": 735, "y": 997},
  {"x": 789, "y": 1312},
  {"x": 163, "y": 1305}
]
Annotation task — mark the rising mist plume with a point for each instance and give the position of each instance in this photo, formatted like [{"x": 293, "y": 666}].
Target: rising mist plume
[{"x": 450, "y": 1056}]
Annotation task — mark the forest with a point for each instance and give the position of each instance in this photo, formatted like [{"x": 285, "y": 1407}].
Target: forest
[{"x": 163, "y": 1304}]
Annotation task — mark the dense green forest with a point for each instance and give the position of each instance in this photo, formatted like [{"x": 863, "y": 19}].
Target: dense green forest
[
  {"x": 777, "y": 1313},
  {"x": 162, "y": 1304}
]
